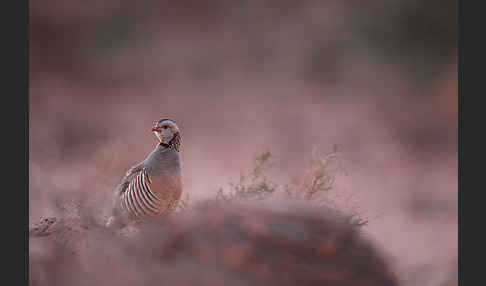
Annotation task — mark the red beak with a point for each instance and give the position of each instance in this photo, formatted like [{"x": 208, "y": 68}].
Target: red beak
[{"x": 155, "y": 129}]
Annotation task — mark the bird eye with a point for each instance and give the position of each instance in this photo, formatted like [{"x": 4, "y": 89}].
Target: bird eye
[{"x": 165, "y": 126}]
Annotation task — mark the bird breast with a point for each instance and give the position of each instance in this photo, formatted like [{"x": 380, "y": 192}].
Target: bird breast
[{"x": 168, "y": 189}]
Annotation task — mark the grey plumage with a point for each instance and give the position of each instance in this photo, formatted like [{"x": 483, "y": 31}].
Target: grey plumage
[{"x": 152, "y": 187}]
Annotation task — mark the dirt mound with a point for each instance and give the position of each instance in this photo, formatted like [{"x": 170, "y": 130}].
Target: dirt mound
[{"x": 214, "y": 243}]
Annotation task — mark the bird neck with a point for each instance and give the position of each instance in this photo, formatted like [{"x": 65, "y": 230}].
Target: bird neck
[
  {"x": 163, "y": 159},
  {"x": 174, "y": 143}
]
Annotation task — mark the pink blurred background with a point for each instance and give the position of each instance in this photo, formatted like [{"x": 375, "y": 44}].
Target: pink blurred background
[{"x": 379, "y": 78}]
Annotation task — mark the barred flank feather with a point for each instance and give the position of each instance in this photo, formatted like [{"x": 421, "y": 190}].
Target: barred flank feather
[{"x": 138, "y": 199}]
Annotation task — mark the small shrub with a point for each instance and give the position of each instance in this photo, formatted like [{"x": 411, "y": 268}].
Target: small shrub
[{"x": 314, "y": 188}]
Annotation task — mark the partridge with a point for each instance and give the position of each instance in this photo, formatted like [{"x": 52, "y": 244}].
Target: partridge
[{"x": 153, "y": 187}]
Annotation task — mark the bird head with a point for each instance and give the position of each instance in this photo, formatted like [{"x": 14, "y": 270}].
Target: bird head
[{"x": 166, "y": 131}]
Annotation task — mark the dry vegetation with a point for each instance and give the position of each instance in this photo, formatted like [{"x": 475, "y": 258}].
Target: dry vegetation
[
  {"x": 315, "y": 188},
  {"x": 257, "y": 185}
]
